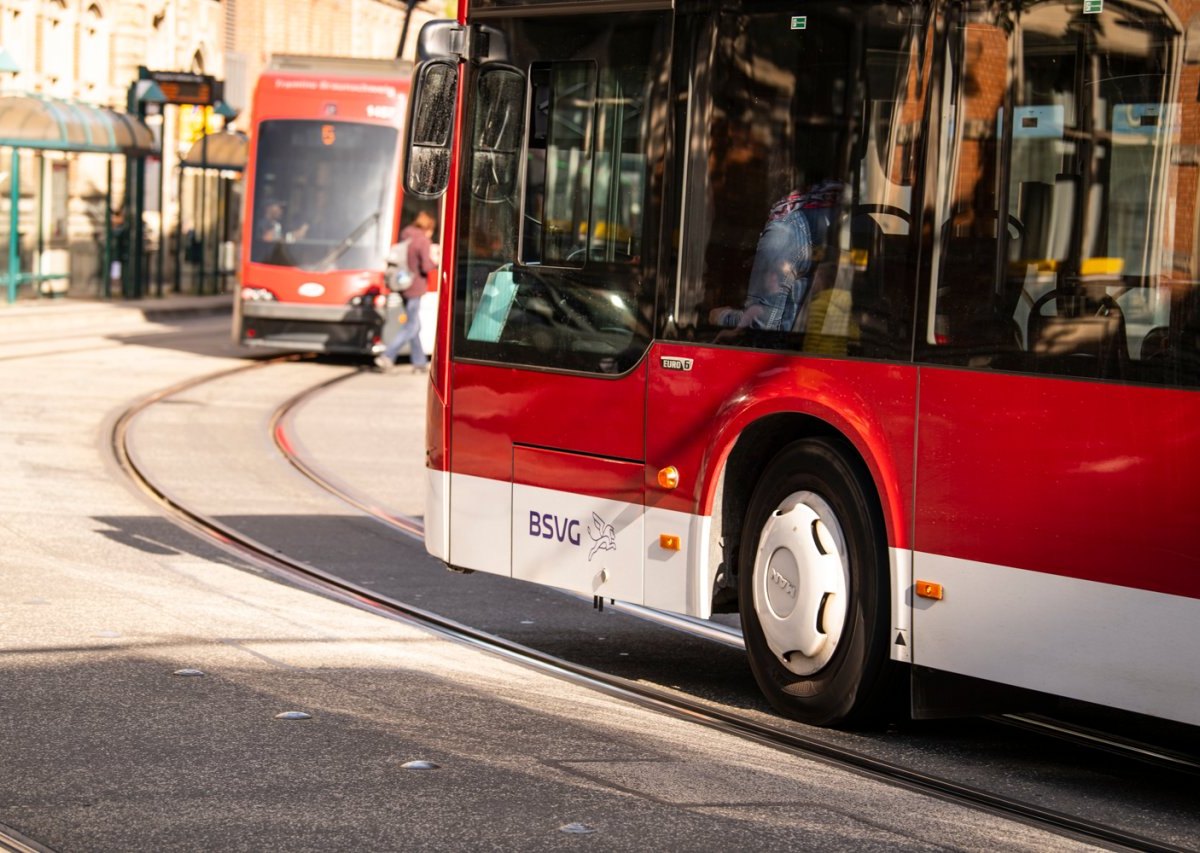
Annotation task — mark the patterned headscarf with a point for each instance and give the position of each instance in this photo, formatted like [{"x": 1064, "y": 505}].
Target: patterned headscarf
[{"x": 825, "y": 194}]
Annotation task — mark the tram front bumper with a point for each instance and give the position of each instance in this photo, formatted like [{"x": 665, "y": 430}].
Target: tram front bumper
[{"x": 312, "y": 328}]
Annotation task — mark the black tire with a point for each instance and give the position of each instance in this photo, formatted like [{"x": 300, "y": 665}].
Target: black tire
[{"x": 818, "y": 637}]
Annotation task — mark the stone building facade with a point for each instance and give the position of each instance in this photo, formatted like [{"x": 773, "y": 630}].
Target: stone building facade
[{"x": 91, "y": 51}]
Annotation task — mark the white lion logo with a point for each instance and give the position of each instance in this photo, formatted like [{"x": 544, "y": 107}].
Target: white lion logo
[{"x": 602, "y": 534}]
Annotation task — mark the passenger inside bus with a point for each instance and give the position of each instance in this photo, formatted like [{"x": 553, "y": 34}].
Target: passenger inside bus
[
  {"x": 790, "y": 248},
  {"x": 845, "y": 108}
]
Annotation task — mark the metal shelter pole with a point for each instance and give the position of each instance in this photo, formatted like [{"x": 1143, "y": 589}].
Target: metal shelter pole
[
  {"x": 14, "y": 238},
  {"x": 133, "y": 218},
  {"x": 41, "y": 224},
  {"x": 139, "y": 228},
  {"x": 179, "y": 233},
  {"x": 106, "y": 269},
  {"x": 162, "y": 219},
  {"x": 222, "y": 226},
  {"x": 202, "y": 225}
]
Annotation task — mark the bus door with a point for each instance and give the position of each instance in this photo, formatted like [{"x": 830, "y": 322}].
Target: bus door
[
  {"x": 555, "y": 263},
  {"x": 1054, "y": 546}
]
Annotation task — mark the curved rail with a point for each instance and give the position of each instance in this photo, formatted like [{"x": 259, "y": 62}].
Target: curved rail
[
  {"x": 280, "y": 421},
  {"x": 285, "y": 414},
  {"x": 661, "y": 700}
]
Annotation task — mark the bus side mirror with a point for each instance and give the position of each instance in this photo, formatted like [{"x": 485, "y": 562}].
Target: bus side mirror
[
  {"x": 430, "y": 128},
  {"x": 439, "y": 39},
  {"x": 498, "y": 126}
]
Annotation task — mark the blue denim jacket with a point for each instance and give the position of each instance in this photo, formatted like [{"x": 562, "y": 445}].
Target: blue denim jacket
[{"x": 782, "y": 271}]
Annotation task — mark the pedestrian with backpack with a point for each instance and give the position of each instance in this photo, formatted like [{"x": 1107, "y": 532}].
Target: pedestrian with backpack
[{"x": 409, "y": 263}]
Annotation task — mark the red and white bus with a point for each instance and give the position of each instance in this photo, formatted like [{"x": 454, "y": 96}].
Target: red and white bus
[
  {"x": 323, "y": 205},
  {"x": 942, "y": 431}
]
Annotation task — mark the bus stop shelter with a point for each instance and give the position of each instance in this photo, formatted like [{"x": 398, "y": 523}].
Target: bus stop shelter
[
  {"x": 216, "y": 162},
  {"x": 43, "y": 124}
]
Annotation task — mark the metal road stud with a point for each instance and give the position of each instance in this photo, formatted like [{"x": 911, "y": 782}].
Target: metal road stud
[
  {"x": 293, "y": 715},
  {"x": 577, "y": 829},
  {"x": 420, "y": 764},
  {"x": 188, "y": 673}
]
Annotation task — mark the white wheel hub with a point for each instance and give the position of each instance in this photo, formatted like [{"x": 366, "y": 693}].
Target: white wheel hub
[{"x": 801, "y": 582}]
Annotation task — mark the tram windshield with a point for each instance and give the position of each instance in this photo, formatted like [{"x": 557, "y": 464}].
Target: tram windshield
[{"x": 321, "y": 194}]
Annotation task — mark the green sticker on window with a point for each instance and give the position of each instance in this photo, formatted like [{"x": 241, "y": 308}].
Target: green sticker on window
[
  {"x": 800, "y": 22},
  {"x": 1093, "y": 7}
]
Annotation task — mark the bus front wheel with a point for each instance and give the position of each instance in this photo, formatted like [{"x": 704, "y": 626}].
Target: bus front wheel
[{"x": 814, "y": 591}]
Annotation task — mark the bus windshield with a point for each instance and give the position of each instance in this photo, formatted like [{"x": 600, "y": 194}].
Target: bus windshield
[{"x": 321, "y": 194}]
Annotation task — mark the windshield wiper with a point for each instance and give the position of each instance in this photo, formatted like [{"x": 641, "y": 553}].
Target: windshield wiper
[{"x": 350, "y": 239}]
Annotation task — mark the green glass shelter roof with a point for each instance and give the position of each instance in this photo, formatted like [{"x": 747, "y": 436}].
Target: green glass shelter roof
[{"x": 54, "y": 124}]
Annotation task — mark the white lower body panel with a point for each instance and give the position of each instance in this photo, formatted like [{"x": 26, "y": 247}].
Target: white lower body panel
[
  {"x": 1111, "y": 645},
  {"x": 680, "y": 581},
  {"x": 560, "y": 539},
  {"x": 480, "y": 524},
  {"x": 579, "y": 543},
  {"x": 437, "y": 513}
]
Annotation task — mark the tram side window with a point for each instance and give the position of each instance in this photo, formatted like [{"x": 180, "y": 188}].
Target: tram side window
[
  {"x": 556, "y": 273},
  {"x": 804, "y": 238},
  {"x": 1065, "y": 245}
]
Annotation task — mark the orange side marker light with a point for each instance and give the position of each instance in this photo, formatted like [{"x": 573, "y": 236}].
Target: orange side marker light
[
  {"x": 668, "y": 477},
  {"x": 668, "y": 542},
  {"x": 929, "y": 589}
]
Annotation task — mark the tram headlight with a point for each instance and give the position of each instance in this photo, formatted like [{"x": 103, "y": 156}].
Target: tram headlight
[
  {"x": 257, "y": 294},
  {"x": 374, "y": 297}
]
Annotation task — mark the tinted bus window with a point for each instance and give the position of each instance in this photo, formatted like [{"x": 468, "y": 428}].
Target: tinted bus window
[
  {"x": 1067, "y": 222},
  {"x": 799, "y": 209},
  {"x": 558, "y": 271},
  {"x": 323, "y": 194}
]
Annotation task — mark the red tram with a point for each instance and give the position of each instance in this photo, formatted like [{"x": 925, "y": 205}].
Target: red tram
[{"x": 323, "y": 204}]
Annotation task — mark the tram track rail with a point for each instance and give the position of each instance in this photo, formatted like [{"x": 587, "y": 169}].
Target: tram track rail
[
  {"x": 281, "y": 428},
  {"x": 277, "y": 563}
]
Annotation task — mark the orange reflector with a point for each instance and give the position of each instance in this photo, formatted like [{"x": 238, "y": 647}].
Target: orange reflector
[
  {"x": 668, "y": 477},
  {"x": 929, "y": 589},
  {"x": 668, "y": 542}
]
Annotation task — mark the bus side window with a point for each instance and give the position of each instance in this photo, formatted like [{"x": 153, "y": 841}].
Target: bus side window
[
  {"x": 1063, "y": 248},
  {"x": 803, "y": 240},
  {"x": 558, "y": 176}
]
